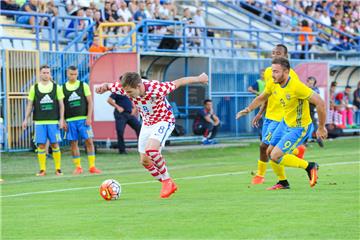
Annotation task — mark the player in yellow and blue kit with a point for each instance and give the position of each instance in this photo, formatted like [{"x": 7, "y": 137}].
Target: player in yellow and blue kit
[
  {"x": 297, "y": 126},
  {"x": 273, "y": 116},
  {"x": 47, "y": 100},
  {"x": 78, "y": 112}
]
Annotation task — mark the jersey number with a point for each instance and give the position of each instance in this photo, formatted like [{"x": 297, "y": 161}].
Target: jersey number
[
  {"x": 161, "y": 129},
  {"x": 287, "y": 144},
  {"x": 146, "y": 109}
]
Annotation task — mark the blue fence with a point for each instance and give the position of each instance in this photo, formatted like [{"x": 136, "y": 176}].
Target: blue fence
[{"x": 58, "y": 32}]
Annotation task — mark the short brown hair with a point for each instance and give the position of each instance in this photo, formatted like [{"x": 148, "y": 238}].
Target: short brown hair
[
  {"x": 283, "y": 62},
  {"x": 131, "y": 79},
  {"x": 44, "y": 66}
]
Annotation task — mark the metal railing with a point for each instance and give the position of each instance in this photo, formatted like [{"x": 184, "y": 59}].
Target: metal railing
[
  {"x": 278, "y": 20},
  {"x": 228, "y": 43},
  {"x": 53, "y": 36}
]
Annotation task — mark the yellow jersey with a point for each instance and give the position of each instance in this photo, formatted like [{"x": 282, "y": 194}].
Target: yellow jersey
[
  {"x": 294, "y": 99},
  {"x": 274, "y": 110}
]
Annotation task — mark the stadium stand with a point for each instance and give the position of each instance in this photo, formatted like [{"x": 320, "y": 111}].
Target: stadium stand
[{"x": 232, "y": 40}]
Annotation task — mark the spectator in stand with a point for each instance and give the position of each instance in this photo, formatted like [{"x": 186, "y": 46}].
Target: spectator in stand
[
  {"x": 140, "y": 13},
  {"x": 72, "y": 5},
  {"x": 114, "y": 16},
  {"x": 124, "y": 12},
  {"x": 89, "y": 13},
  {"x": 53, "y": 11},
  {"x": 309, "y": 10},
  {"x": 148, "y": 10},
  {"x": 30, "y": 7},
  {"x": 76, "y": 25},
  {"x": 170, "y": 10},
  {"x": 186, "y": 15},
  {"x": 192, "y": 35},
  {"x": 325, "y": 18},
  {"x": 97, "y": 19},
  {"x": 133, "y": 6},
  {"x": 9, "y": 5},
  {"x": 306, "y": 41},
  {"x": 160, "y": 8},
  {"x": 335, "y": 41},
  {"x": 198, "y": 18},
  {"x": 96, "y": 46},
  {"x": 107, "y": 12},
  {"x": 157, "y": 13},
  {"x": 345, "y": 107}
]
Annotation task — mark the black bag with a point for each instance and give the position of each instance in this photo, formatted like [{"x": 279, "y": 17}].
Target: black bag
[
  {"x": 178, "y": 131},
  {"x": 169, "y": 43}
]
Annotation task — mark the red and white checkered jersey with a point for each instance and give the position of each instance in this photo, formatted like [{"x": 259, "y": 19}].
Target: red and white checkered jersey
[{"x": 153, "y": 106}]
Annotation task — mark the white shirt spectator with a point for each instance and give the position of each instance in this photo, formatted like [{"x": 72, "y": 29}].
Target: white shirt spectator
[
  {"x": 125, "y": 14},
  {"x": 199, "y": 20},
  {"x": 325, "y": 19}
]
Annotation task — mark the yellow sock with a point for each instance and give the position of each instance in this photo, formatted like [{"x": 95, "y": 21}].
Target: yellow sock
[
  {"x": 295, "y": 152},
  {"x": 57, "y": 157},
  {"x": 77, "y": 161},
  {"x": 91, "y": 159},
  {"x": 42, "y": 158},
  {"x": 261, "y": 168},
  {"x": 290, "y": 160},
  {"x": 279, "y": 170}
]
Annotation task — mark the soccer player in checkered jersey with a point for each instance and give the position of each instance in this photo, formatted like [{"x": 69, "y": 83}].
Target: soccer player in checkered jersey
[{"x": 158, "y": 119}]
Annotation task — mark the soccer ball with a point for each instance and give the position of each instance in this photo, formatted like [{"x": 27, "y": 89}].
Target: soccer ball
[{"x": 110, "y": 189}]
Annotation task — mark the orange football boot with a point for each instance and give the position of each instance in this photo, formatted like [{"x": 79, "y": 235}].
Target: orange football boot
[
  {"x": 258, "y": 180},
  {"x": 42, "y": 173},
  {"x": 78, "y": 170},
  {"x": 94, "y": 170},
  {"x": 168, "y": 188},
  {"x": 313, "y": 173},
  {"x": 58, "y": 172}
]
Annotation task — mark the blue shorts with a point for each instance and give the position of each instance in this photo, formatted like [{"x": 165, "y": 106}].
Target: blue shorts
[
  {"x": 268, "y": 129},
  {"x": 78, "y": 129},
  {"x": 43, "y": 132},
  {"x": 23, "y": 20},
  {"x": 288, "y": 138}
]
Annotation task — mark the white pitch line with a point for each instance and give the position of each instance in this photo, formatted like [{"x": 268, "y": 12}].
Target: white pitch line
[
  {"x": 140, "y": 170},
  {"x": 146, "y": 182}
]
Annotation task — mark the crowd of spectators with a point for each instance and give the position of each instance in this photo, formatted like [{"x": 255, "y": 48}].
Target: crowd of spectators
[
  {"x": 343, "y": 105},
  {"x": 338, "y": 14},
  {"x": 101, "y": 11}
]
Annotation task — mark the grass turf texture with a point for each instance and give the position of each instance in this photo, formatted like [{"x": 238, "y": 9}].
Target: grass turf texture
[{"x": 211, "y": 203}]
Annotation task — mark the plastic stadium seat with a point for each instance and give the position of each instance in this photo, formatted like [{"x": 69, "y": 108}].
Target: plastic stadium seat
[
  {"x": 6, "y": 43},
  {"x": 17, "y": 44},
  {"x": 27, "y": 44}
]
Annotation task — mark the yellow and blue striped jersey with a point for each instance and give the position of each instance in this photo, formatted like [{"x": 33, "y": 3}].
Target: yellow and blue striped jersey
[
  {"x": 294, "y": 99},
  {"x": 274, "y": 110}
]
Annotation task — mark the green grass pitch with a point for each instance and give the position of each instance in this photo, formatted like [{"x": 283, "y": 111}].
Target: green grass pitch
[{"x": 215, "y": 199}]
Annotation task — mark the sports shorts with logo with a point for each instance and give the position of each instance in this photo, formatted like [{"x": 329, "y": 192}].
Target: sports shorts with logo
[
  {"x": 78, "y": 129},
  {"x": 159, "y": 131},
  {"x": 288, "y": 138},
  {"x": 43, "y": 132},
  {"x": 268, "y": 129}
]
